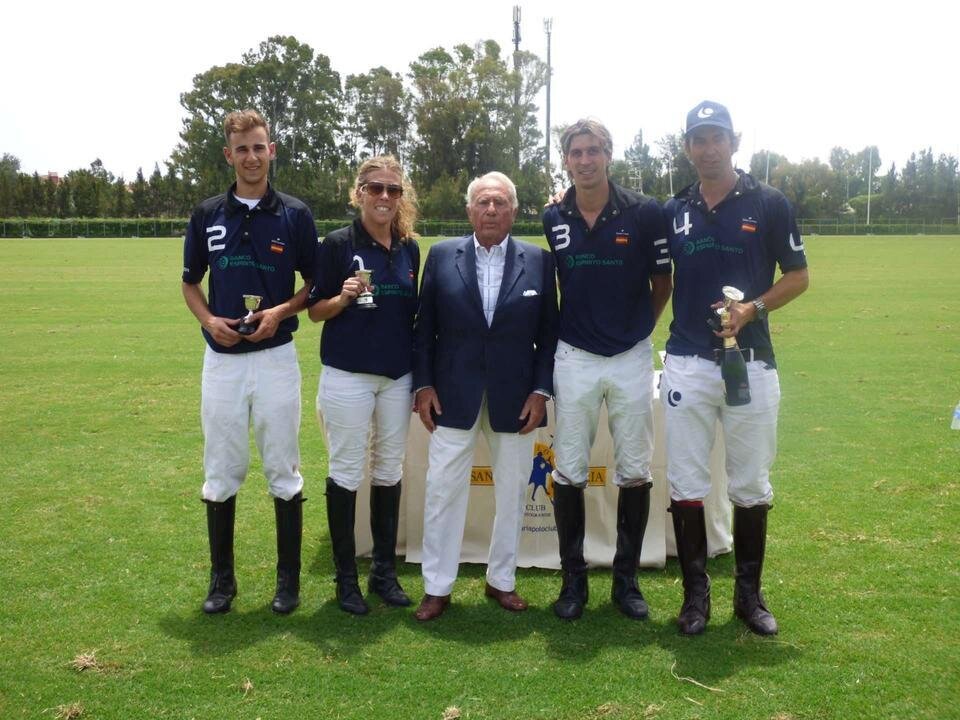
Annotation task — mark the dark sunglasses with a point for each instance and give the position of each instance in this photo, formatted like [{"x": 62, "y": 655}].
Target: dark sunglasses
[{"x": 376, "y": 189}]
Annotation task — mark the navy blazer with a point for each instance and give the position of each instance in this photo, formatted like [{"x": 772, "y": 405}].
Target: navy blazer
[{"x": 461, "y": 357}]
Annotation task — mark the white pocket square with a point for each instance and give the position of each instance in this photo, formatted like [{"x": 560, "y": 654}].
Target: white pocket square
[{"x": 529, "y": 293}]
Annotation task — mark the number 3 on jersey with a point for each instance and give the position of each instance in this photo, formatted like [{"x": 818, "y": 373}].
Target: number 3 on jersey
[{"x": 561, "y": 236}]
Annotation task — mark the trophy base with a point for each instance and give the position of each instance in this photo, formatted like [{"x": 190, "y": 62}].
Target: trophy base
[
  {"x": 366, "y": 303},
  {"x": 245, "y": 329}
]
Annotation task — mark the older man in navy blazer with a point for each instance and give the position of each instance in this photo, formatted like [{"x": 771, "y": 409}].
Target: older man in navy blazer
[{"x": 485, "y": 336}]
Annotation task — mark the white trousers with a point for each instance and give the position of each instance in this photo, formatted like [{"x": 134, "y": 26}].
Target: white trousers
[
  {"x": 445, "y": 505},
  {"x": 581, "y": 382},
  {"x": 262, "y": 388},
  {"x": 691, "y": 390},
  {"x": 350, "y": 404}
]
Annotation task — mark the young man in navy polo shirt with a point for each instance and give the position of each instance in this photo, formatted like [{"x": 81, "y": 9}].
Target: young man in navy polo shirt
[
  {"x": 253, "y": 240},
  {"x": 614, "y": 271},
  {"x": 724, "y": 229}
]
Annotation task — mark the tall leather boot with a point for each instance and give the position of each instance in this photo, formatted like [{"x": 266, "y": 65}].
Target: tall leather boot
[
  {"x": 341, "y": 513},
  {"x": 289, "y": 514},
  {"x": 223, "y": 584},
  {"x": 384, "y": 518},
  {"x": 633, "y": 507},
  {"x": 569, "y": 514},
  {"x": 749, "y": 545},
  {"x": 690, "y": 529}
]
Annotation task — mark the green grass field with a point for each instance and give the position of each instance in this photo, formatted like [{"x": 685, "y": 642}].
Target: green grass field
[{"x": 103, "y": 545}]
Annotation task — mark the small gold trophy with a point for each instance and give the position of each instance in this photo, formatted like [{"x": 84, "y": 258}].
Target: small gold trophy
[
  {"x": 733, "y": 368},
  {"x": 365, "y": 298},
  {"x": 251, "y": 303}
]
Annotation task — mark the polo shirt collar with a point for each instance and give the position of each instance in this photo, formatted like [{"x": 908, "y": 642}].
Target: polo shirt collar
[
  {"x": 617, "y": 201},
  {"x": 362, "y": 237},
  {"x": 745, "y": 184},
  {"x": 268, "y": 203}
]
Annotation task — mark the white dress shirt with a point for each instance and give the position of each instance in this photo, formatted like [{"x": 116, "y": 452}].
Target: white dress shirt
[{"x": 490, "y": 274}]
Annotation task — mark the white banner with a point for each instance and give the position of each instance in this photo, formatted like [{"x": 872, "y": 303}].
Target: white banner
[{"x": 538, "y": 543}]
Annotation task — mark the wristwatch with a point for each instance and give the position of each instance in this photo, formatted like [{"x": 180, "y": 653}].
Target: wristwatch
[{"x": 762, "y": 311}]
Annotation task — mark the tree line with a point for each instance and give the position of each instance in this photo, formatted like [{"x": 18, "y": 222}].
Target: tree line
[{"x": 454, "y": 115}]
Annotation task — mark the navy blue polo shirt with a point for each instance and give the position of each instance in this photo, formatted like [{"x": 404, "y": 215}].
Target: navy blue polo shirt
[
  {"x": 380, "y": 341},
  {"x": 604, "y": 272},
  {"x": 250, "y": 252},
  {"x": 739, "y": 242}
]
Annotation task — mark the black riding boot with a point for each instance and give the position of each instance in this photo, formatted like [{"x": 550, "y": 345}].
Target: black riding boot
[
  {"x": 223, "y": 584},
  {"x": 289, "y": 515},
  {"x": 689, "y": 527},
  {"x": 384, "y": 518},
  {"x": 569, "y": 514},
  {"x": 341, "y": 511},
  {"x": 749, "y": 546},
  {"x": 633, "y": 507}
]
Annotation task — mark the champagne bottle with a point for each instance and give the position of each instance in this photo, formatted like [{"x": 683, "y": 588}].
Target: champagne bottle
[{"x": 733, "y": 370}]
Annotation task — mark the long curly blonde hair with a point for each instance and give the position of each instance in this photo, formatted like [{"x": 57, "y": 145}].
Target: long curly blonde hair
[{"x": 406, "y": 217}]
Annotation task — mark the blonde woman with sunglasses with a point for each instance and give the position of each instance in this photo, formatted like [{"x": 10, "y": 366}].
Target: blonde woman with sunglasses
[{"x": 365, "y": 291}]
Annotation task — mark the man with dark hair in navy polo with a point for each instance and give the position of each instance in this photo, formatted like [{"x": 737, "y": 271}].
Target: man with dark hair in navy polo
[
  {"x": 611, "y": 254},
  {"x": 726, "y": 229},
  {"x": 253, "y": 240}
]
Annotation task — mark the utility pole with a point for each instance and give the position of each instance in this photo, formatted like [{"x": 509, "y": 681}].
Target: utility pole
[
  {"x": 547, "y": 28},
  {"x": 516, "y": 71}
]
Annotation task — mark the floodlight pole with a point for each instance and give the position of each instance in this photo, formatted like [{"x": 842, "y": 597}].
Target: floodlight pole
[
  {"x": 636, "y": 175},
  {"x": 869, "y": 182},
  {"x": 637, "y": 166},
  {"x": 516, "y": 28},
  {"x": 547, "y": 28}
]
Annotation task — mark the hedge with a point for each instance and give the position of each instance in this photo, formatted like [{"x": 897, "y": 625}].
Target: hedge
[
  {"x": 176, "y": 227},
  {"x": 167, "y": 227}
]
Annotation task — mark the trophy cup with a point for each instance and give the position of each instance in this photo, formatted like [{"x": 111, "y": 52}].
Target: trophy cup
[
  {"x": 733, "y": 368},
  {"x": 365, "y": 298},
  {"x": 251, "y": 303}
]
